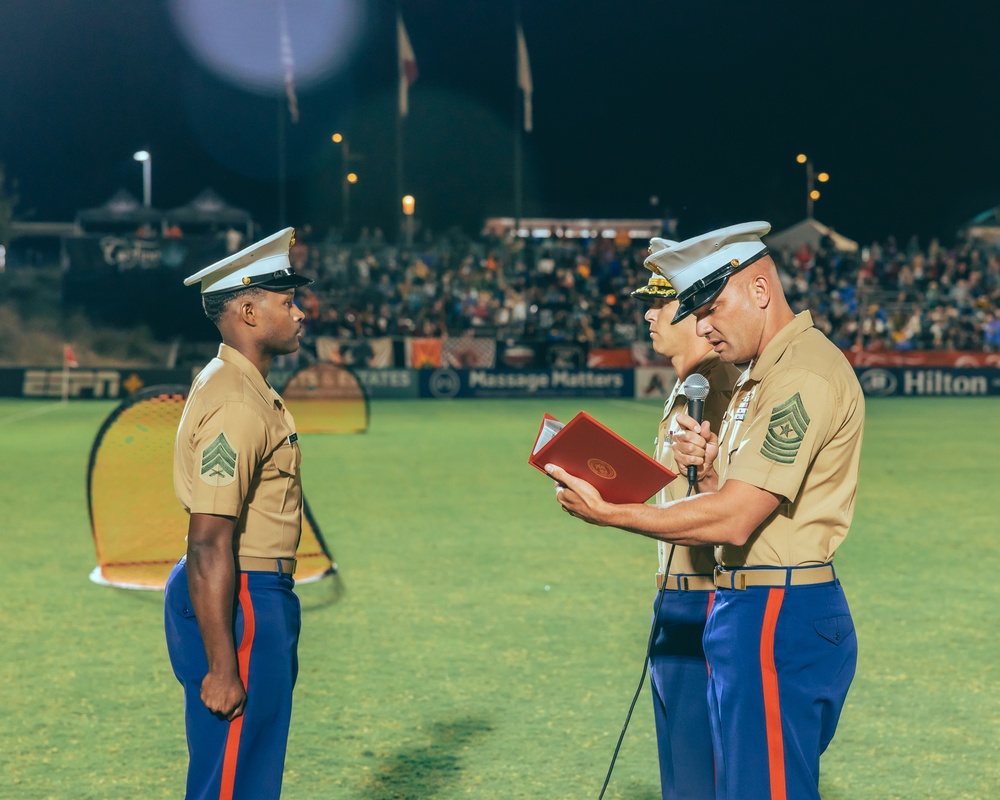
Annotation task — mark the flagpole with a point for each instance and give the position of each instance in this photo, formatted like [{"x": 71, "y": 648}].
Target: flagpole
[
  {"x": 282, "y": 167},
  {"x": 518, "y": 125},
  {"x": 397, "y": 200}
]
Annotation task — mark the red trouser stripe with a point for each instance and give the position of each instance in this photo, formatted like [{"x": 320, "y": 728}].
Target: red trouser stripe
[
  {"x": 772, "y": 705},
  {"x": 236, "y": 726},
  {"x": 711, "y": 599}
]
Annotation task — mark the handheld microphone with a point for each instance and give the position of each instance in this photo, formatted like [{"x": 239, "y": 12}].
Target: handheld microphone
[{"x": 695, "y": 389}]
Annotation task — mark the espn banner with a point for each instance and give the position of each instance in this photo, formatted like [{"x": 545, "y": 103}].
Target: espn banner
[{"x": 81, "y": 383}]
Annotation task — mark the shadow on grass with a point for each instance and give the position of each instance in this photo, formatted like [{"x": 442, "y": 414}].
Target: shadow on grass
[
  {"x": 422, "y": 772},
  {"x": 634, "y": 791}
]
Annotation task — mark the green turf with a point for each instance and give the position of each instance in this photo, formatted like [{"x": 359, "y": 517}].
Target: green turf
[{"x": 479, "y": 643}]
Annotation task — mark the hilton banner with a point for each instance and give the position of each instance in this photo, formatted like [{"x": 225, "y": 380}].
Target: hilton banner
[{"x": 928, "y": 382}]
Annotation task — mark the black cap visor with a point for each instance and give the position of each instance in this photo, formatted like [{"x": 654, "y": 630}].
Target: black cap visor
[
  {"x": 279, "y": 281},
  {"x": 708, "y": 288}
]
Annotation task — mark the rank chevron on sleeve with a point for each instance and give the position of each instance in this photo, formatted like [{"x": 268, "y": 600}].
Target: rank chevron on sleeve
[
  {"x": 786, "y": 430},
  {"x": 218, "y": 460}
]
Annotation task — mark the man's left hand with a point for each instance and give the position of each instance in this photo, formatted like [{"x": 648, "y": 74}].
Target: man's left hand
[{"x": 578, "y": 497}]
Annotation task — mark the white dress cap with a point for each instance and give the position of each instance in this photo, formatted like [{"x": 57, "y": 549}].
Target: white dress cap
[
  {"x": 263, "y": 264},
  {"x": 699, "y": 268}
]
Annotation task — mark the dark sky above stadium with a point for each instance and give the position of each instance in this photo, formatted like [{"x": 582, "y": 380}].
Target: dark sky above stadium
[{"x": 703, "y": 105}]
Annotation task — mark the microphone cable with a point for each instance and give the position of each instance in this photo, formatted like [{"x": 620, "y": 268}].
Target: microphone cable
[{"x": 645, "y": 664}]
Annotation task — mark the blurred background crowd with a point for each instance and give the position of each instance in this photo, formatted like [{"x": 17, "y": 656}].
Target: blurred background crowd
[{"x": 883, "y": 297}]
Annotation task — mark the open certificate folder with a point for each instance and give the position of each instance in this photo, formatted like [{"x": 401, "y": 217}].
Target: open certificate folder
[{"x": 586, "y": 449}]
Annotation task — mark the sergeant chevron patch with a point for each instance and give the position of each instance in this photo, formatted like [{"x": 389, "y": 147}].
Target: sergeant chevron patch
[
  {"x": 786, "y": 430},
  {"x": 218, "y": 462}
]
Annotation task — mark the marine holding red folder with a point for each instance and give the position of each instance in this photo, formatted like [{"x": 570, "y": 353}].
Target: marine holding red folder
[
  {"x": 778, "y": 481},
  {"x": 585, "y": 447}
]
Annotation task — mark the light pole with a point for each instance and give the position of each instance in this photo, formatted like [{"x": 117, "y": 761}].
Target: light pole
[
  {"x": 812, "y": 194},
  {"x": 146, "y": 160},
  {"x": 349, "y": 178},
  {"x": 408, "y": 206}
]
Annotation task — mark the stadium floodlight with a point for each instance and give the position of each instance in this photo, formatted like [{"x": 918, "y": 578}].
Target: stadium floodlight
[{"x": 812, "y": 195}]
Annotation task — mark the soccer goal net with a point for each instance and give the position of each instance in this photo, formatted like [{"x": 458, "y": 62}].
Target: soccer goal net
[{"x": 137, "y": 523}]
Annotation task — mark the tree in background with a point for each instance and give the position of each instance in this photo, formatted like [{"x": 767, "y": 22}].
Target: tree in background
[{"x": 8, "y": 201}]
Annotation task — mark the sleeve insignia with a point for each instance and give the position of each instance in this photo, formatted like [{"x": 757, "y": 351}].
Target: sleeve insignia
[
  {"x": 785, "y": 431},
  {"x": 218, "y": 462}
]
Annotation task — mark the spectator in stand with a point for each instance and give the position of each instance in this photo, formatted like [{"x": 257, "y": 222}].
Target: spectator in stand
[{"x": 991, "y": 332}]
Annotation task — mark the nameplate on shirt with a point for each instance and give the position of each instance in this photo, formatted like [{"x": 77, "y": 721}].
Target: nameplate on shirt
[{"x": 293, "y": 438}]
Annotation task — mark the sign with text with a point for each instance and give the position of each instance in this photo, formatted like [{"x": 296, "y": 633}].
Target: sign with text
[
  {"x": 448, "y": 383},
  {"x": 928, "y": 382},
  {"x": 80, "y": 383}
]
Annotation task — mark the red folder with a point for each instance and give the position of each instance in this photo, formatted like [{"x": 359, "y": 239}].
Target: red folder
[{"x": 586, "y": 449}]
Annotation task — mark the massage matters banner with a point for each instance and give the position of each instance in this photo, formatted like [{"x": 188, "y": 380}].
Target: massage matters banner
[{"x": 449, "y": 383}]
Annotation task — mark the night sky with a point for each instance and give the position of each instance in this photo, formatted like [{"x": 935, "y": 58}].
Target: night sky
[{"x": 702, "y": 104}]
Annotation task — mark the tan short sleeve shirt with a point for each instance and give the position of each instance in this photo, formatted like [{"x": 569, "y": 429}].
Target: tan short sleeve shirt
[
  {"x": 722, "y": 378},
  {"x": 794, "y": 428},
  {"x": 237, "y": 455}
]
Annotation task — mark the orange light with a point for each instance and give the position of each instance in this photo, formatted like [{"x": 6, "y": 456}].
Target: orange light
[
  {"x": 801, "y": 158},
  {"x": 352, "y": 177},
  {"x": 823, "y": 177},
  {"x": 814, "y": 194},
  {"x": 337, "y": 138},
  {"x": 408, "y": 204}
]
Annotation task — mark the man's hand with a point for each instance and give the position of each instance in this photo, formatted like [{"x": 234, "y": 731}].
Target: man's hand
[
  {"x": 223, "y": 694},
  {"x": 697, "y": 446},
  {"x": 578, "y": 497}
]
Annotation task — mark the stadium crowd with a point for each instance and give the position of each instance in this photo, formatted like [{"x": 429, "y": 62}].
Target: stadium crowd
[{"x": 883, "y": 297}]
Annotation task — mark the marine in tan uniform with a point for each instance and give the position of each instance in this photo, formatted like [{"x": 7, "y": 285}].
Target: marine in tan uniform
[
  {"x": 779, "y": 483},
  {"x": 677, "y": 668},
  {"x": 232, "y": 619}
]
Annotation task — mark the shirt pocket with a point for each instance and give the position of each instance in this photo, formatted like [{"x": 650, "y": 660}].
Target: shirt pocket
[{"x": 286, "y": 459}]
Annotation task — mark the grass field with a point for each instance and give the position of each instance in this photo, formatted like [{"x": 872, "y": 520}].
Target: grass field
[{"x": 478, "y": 643}]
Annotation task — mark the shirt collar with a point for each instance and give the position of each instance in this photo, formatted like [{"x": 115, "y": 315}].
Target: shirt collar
[
  {"x": 777, "y": 346},
  {"x": 233, "y": 356},
  {"x": 705, "y": 364}
]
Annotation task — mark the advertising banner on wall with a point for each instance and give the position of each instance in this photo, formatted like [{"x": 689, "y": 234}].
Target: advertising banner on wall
[
  {"x": 449, "y": 383},
  {"x": 654, "y": 383},
  {"x": 388, "y": 383},
  {"x": 923, "y": 358},
  {"x": 928, "y": 382},
  {"x": 81, "y": 383}
]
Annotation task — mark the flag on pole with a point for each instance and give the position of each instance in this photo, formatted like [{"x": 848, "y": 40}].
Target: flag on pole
[
  {"x": 69, "y": 357},
  {"x": 524, "y": 77},
  {"x": 407, "y": 66},
  {"x": 288, "y": 64}
]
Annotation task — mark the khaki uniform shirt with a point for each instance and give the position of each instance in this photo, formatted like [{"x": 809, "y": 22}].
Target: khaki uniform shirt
[
  {"x": 237, "y": 455},
  {"x": 721, "y": 380},
  {"x": 794, "y": 428}
]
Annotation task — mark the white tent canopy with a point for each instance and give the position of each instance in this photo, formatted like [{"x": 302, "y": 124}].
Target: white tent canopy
[
  {"x": 983, "y": 227},
  {"x": 809, "y": 231}
]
